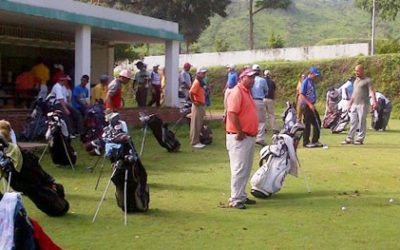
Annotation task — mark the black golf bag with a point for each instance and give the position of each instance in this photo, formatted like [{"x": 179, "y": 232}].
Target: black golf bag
[
  {"x": 165, "y": 137},
  {"x": 379, "y": 115},
  {"x": 341, "y": 122},
  {"x": 35, "y": 183},
  {"x": 129, "y": 171},
  {"x": 35, "y": 124},
  {"x": 60, "y": 147},
  {"x": 93, "y": 123},
  {"x": 206, "y": 135}
]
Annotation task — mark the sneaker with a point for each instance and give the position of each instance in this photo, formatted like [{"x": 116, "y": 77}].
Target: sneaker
[
  {"x": 358, "y": 143},
  {"x": 311, "y": 145},
  {"x": 72, "y": 136},
  {"x": 318, "y": 144},
  {"x": 238, "y": 205},
  {"x": 198, "y": 145},
  {"x": 347, "y": 141},
  {"x": 250, "y": 202}
]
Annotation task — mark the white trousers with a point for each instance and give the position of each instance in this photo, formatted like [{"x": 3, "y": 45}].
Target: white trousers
[
  {"x": 241, "y": 160},
  {"x": 261, "y": 120}
]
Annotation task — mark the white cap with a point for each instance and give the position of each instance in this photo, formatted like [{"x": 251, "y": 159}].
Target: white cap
[
  {"x": 255, "y": 67},
  {"x": 201, "y": 70},
  {"x": 231, "y": 66},
  {"x": 267, "y": 72},
  {"x": 125, "y": 73}
]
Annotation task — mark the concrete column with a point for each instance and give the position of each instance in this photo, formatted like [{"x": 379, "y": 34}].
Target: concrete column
[
  {"x": 83, "y": 54},
  {"x": 172, "y": 73},
  {"x": 110, "y": 67}
]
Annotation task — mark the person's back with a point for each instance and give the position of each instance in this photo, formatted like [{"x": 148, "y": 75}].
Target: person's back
[{"x": 42, "y": 72}]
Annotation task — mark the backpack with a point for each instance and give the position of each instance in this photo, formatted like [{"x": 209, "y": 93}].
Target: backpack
[
  {"x": 276, "y": 161},
  {"x": 206, "y": 135}
]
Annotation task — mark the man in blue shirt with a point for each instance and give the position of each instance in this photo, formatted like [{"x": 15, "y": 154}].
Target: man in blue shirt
[
  {"x": 259, "y": 91},
  {"x": 308, "y": 97},
  {"x": 80, "y": 95},
  {"x": 231, "y": 81}
]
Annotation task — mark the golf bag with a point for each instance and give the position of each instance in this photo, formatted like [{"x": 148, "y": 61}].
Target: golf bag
[
  {"x": 206, "y": 135},
  {"x": 57, "y": 136},
  {"x": 34, "y": 182},
  {"x": 335, "y": 118},
  {"x": 165, "y": 137},
  {"x": 35, "y": 124},
  {"x": 331, "y": 110},
  {"x": 93, "y": 123},
  {"x": 276, "y": 161},
  {"x": 290, "y": 125},
  {"x": 129, "y": 171}
]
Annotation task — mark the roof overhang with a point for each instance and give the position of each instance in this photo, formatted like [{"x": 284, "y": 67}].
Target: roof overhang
[{"x": 57, "y": 21}]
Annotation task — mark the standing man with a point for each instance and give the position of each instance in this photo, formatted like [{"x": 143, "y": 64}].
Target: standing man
[
  {"x": 155, "y": 79},
  {"x": 114, "y": 92},
  {"x": 80, "y": 94},
  {"x": 185, "y": 79},
  {"x": 259, "y": 91},
  {"x": 307, "y": 98},
  {"x": 197, "y": 96},
  {"x": 241, "y": 130},
  {"x": 269, "y": 100},
  {"x": 231, "y": 81},
  {"x": 359, "y": 106},
  {"x": 141, "y": 80}
]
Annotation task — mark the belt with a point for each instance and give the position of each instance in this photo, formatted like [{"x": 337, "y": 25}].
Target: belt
[
  {"x": 234, "y": 133},
  {"x": 258, "y": 99}
]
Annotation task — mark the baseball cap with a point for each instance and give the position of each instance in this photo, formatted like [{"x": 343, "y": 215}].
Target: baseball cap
[
  {"x": 231, "y": 66},
  {"x": 267, "y": 72},
  {"x": 256, "y": 67},
  {"x": 104, "y": 77},
  {"x": 125, "y": 73},
  {"x": 201, "y": 70},
  {"x": 315, "y": 71},
  {"x": 65, "y": 77},
  {"x": 187, "y": 65},
  {"x": 247, "y": 72}
]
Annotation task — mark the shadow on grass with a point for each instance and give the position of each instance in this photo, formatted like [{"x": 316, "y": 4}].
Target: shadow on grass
[{"x": 185, "y": 188}]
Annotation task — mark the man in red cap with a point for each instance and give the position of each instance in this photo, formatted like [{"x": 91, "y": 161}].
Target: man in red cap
[{"x": 241, "y": 130}]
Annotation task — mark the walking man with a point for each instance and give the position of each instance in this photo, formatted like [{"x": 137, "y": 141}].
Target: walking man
[
  {"x": 241, "y": 130},
  {"x": 359, "y": 107},
  {"x": 114, "y": 92},
  {"x": 155, "y": 79},
  {"x": 259, "y": 91},
  {"x": 198, "y": 98},
  {"x": 307, "y": 98}
]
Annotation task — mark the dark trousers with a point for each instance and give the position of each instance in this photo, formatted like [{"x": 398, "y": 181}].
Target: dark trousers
[
  {"x": 141, "y": 96},
  {"x": 155, "y": 95},
  {"x": 73, "y": 121},
  {"x": 311, "y": 118}
]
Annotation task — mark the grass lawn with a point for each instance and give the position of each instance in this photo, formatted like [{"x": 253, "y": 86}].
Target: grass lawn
[{"x": 187, "y": 188}]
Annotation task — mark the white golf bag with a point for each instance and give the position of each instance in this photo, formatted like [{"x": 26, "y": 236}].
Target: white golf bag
[{"x": 276, "y": 161}]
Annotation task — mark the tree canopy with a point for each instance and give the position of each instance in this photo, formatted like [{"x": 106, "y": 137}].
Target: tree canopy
[{"x": 386, "y": 9}]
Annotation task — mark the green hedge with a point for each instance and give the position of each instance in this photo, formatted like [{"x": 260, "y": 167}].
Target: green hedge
[{"x": 383, "y": 69}]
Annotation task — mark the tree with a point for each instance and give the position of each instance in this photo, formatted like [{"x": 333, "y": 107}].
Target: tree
[
  {"x": 275, "y": 41},
  {"x": 221, "y": 45},
  {"x": 192, "y": 16},
  {"x": 386, "y": 9},
  {"x": 261, "y": 5}
]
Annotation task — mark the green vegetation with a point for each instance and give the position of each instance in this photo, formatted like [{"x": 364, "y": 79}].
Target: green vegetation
[
  {"x": 305, "y": 23},
  {"x": 187, "y": 188}
]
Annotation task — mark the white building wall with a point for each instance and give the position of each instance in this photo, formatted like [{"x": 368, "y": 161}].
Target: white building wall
[{"x": 250, "y": 56}]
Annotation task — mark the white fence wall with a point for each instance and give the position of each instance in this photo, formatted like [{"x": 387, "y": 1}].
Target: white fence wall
[{"x": 250, "y": 56}]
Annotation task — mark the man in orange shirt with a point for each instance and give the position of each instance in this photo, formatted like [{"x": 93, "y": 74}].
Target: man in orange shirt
[
  {"x": 197, "y": 95},
  {"x": 241, "y": 131}
]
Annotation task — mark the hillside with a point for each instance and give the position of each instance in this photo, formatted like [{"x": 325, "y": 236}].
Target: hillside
[{"x": 306, "y": 22}]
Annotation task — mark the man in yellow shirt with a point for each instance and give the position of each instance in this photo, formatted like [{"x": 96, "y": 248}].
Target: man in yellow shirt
[
  {"x": 100, "y": 90},
  {"x": 41, "y": 71}
]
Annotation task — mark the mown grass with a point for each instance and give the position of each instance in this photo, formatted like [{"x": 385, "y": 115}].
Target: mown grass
[{"x": 187, "y": 188}]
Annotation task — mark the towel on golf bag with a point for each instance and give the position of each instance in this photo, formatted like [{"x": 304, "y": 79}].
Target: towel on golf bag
[
  {"x": 59, "y": 142},
  {"x": 128, "y": 166},
  {"x": 165, "y": 137},
  {"x": 206, "y": 135},
  {"x": 35, "y": 183},
  {"x": 276, "y": 161}
]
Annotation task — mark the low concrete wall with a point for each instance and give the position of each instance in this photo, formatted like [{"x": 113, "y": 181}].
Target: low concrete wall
[{"x": 251, "y": 56}]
